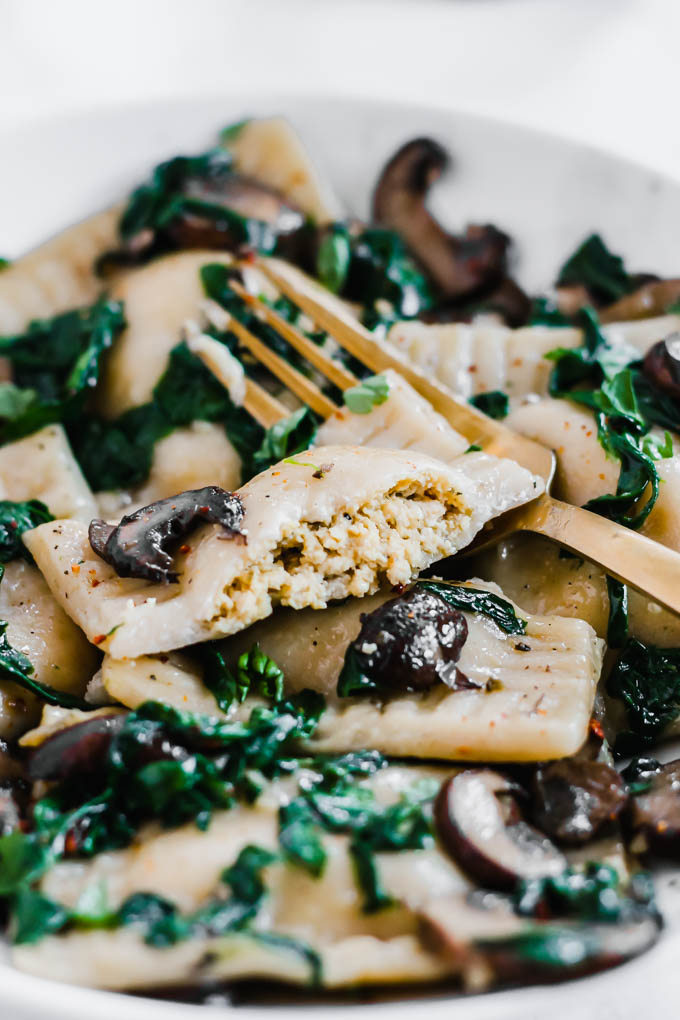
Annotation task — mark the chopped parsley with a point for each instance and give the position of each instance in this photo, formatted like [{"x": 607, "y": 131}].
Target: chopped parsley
[
  {"x": 255, "y": 673},
  {"x": 369, "y": 393}
]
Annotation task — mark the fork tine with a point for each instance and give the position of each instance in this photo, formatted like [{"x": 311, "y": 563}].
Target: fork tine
[
  {"x": 333, "y": 371},
  {"x": 264, "y": 408},
  {"x": 302, "y": 387},
  {"x": 378, "y": 356}
]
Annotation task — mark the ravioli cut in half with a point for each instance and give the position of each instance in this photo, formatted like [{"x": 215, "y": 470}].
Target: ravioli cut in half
[
  {"x": 534, "y": 701},
  {"x": 331, "y": 522}
]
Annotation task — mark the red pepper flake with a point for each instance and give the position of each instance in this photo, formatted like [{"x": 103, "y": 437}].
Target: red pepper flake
[
  {"x": 95, "y": 582},
  {"x": 14, "y": 525},
  {"x": 596, "y": 728},
  {"x": 185, "y": 548},
  {"x": 71, "y": 843},
  {"x": 98, "y": 639},
  {"x": 75, "y": 568}
]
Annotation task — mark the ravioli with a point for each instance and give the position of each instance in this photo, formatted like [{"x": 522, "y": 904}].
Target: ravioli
[
  {"x": 534, "y": 700},
  {"x": 42, "y": 466},
  {"x": 331, "y": 522},
  {"x": 58, "y": 275},
  {"x": 480, "y": 357}
]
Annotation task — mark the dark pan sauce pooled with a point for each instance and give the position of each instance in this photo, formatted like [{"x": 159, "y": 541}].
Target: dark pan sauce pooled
[{"x": 138, "y": 546}]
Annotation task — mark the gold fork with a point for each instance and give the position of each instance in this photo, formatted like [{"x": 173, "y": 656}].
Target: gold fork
[{"x": 624, "y": 554}]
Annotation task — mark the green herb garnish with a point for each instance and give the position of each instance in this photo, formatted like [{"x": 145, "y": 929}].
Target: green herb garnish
[
  {"x": 333, "y": 258},
  {"x": 369, "y": 393},
  {"x": 255, "y": 674}
]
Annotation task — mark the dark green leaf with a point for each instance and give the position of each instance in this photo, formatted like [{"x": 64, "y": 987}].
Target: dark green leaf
[
  {"x": 286, "y": 438},
  {"x": 353, "y": 682},
  {"x": 368, "y": 878},
  {"x": 117, "y": 454},
  {"x": 245, "y": 876},
  {"x": 494, "y": 403},
  {"x": 55, "y": 364},
  {"x": 647, "y": 680},
  {"x": 231, "y": 132},
  {"x": 544, "y": 312},
  {"x": 297, "y": 946},
  {"x": 610, "y": 383},
  {"x": 475, "y": 600},
  {"x": 34, "y": 916},
  {"x": 299, "y": 836},
  {"x": 22, "y": 859},
  {"x": 14, "y": 401},
  {"x": 381, "y": 270},
  {"x": 4, "y": 263},
  {"x": 16, "y": 667},
  {"x": 15, "y": 519},
  {"x": 596, "y": 268}
]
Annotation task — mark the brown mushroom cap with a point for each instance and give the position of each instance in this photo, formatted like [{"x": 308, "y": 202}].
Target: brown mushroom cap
[
  {"x": 457, "y": 265},
  {"x": 662, "y": 364},
  {"x": 575, "y": 798}
]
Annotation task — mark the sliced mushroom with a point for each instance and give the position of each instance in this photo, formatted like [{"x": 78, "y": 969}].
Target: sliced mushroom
[
  {"x": 654, "y": 297},
  {"x": 662, "y": 364},
  {"x": 457, "y": 265},
  {"x": 234, "y": 193},
  {"x": 137, "y": 547},
  {"x": 573, "y": 799},
  {"x": 77, "y": 749},
  {"x": 654, "y": 814},
  {"x": 495, "y": 848},
  {"x": 489, "y": 944},
  {"x": 412, "y": 643}
]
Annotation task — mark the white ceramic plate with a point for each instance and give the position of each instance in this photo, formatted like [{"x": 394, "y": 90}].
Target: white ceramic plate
[{"x": 548, "y": 194}]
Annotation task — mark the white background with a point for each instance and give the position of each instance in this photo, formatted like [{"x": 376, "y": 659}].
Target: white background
[{"x": 601, "y": 71}]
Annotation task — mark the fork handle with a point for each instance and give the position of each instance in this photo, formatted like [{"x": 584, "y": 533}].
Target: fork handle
[{"x": 648, "y": 566}]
